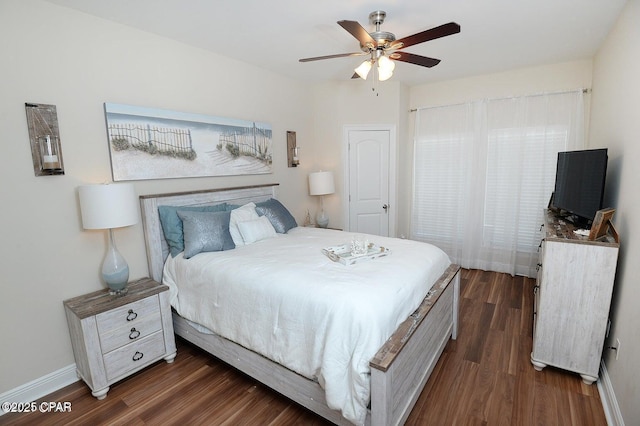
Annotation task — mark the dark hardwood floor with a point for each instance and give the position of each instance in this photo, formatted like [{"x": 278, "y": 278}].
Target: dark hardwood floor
[{"x": 483, "y": 378}]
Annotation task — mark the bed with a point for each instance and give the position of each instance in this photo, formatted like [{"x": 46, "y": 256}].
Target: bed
[{"x": 399, "y": 367}]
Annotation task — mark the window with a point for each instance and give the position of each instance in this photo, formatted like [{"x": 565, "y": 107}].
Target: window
[{"x": 484, "y": 171}]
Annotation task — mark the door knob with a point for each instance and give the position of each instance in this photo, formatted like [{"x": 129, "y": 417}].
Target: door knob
[{"x": 385, "y": 207}]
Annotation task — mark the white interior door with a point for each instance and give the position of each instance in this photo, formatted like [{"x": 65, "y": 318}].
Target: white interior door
[{"x": 369, "y": 170}]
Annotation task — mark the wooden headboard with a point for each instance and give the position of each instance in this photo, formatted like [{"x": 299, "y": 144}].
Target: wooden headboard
[{"x": 157, "y": 249}]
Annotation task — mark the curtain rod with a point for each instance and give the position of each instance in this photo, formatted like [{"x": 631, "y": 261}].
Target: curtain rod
[{"x": 584, "y": 90}]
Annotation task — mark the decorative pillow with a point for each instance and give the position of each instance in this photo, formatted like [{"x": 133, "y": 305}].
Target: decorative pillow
[
  {"x": 241, "y": 214},
  {"x": 256, "y": 230},
  {"x": 281, "y": 219},
  {"x": 172, "y": 224},
  {"x": 205, "y": 232}
]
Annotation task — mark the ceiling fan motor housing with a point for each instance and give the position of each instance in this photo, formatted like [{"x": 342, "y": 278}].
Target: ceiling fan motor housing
[{"x": 382, "y": 38}]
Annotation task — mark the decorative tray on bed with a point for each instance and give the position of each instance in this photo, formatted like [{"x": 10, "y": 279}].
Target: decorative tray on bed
[{"x": 342, "y": 253}]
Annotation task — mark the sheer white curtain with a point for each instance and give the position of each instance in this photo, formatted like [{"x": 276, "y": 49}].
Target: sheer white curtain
[{"x": 483, "y": 172}]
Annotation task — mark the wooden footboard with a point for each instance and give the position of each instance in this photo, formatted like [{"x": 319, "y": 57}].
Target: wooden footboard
[{"x": 402, "y": 366}]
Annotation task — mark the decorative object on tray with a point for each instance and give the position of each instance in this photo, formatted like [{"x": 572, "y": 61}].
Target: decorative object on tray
[
  {"x": 321, "y": 183},
  {"x": 345, "y": 254},
  {"x": 359, "y": 245},
  {"x": 149, "y": 143}
]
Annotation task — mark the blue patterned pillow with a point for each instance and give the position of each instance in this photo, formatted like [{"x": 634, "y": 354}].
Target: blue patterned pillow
[
  {"x": 205, "y": 232},
  {"x": 278, "y": 215},
  {"x": 172, "y": 224}
]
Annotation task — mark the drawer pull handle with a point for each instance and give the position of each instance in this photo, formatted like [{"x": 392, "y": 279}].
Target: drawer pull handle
[
  {"x": 134, "y": 334},
  {"x": 137, "y": 356},
  {"x": 131, "y": 315}
]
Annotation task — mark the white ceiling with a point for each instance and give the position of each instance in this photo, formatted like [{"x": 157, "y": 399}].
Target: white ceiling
[{"x": 496, "y": 35}]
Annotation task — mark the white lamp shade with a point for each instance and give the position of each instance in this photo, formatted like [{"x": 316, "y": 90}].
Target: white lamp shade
[
  {"x": 321, "y": 183},
  {"x": 385, "y": 68},
  {"x": 363, "y": 69},
  {"x": 108, "y": 206}
]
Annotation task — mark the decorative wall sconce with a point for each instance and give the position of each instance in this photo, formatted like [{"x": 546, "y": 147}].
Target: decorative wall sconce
[
  {"x": 42, "y": 121},
  {"x": 292, "y": 150}
]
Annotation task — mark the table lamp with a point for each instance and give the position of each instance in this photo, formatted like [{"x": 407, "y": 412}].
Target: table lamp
[
  {"x": 106, "y": 207},
  {"x": 321, "y": 183}
]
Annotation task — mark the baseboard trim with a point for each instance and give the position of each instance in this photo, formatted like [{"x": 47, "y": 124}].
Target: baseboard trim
[
  {"x": 608, "y": 398},
  {"x": 42, "y": 386}
]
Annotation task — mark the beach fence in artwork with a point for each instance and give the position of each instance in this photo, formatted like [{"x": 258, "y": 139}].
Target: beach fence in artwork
[
  {"x": 171, "y": 142},
  {"x": 249, "y": 141}
]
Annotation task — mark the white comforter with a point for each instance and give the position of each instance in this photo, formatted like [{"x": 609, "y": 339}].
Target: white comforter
[{"x": 284, "y": 299}]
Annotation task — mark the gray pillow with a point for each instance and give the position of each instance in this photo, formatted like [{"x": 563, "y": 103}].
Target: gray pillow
[
  {"x": 172, "y": 225},
  {"x": 205, "y": 232},
  {"x": 278, "y": 215}
]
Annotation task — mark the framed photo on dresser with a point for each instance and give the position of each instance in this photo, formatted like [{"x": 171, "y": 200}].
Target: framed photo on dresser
[{"x": 601, "y": 223}]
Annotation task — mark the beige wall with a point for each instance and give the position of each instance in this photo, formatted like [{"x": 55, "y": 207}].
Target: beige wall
[
  {"x": 615, "y": 124},
  {"x": 57, "y": 56}
]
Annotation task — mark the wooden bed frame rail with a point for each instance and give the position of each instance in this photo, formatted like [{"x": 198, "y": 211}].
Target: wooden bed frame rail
[{"x": 400, "y": 368}]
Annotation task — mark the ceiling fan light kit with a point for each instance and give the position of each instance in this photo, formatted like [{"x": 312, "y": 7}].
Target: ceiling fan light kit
[
  {"x": 383, "y": 49},
  {"x": 363, "y": 69},
  {"x": 385, "y": 68}
]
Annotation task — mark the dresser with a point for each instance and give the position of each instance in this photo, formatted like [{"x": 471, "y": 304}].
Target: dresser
[
  {"x": 572, "y": 298},
  {"x": 115, "y": 336}
]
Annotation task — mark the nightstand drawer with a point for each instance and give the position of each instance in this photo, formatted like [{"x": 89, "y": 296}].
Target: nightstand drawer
[
  {"x": 130, "y": 332},
  {"x": 134, "y": 355},
  {"x": 129, "y": 315}
]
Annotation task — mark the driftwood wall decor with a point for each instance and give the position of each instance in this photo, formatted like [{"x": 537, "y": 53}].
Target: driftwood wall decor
[{"x": 44, "y": 136}]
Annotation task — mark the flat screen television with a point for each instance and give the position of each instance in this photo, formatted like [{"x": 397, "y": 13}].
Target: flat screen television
[{"x": 579, "y": 188}]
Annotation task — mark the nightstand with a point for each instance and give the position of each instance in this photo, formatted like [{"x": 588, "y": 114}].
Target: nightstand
[{"x": 115, "y": 336}]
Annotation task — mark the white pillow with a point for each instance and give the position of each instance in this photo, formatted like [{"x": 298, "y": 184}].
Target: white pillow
[
  {"x": 241, "y": 214},
  {"x": 256, "y": 229}
]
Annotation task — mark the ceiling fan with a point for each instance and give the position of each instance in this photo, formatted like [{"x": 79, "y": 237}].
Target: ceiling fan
[{"x": 383, "y": 48}]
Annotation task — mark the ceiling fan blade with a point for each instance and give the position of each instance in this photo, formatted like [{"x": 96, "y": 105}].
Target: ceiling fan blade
[
  {"x": 355, "y": 75},
  {"x": 415, "y": 59},
  {"x": 356, "y": 30},
  {"x": 437, "y": 32},
  {"x": 339, "y": 55}
]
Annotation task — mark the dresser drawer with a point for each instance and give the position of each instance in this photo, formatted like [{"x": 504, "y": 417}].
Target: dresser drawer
[
  {"x": 134, "y": 355},
  {"x": 131, "y": 332},
  {"x": 129, "y": 315}
]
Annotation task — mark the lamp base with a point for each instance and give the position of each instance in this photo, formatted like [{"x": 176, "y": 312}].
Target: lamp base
[
  {"x": 115, "y": 271},
  {"x": 118, "y": 292},
  {"x": 117, "y": 281},
  {"x": 322, "y": 219}
]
